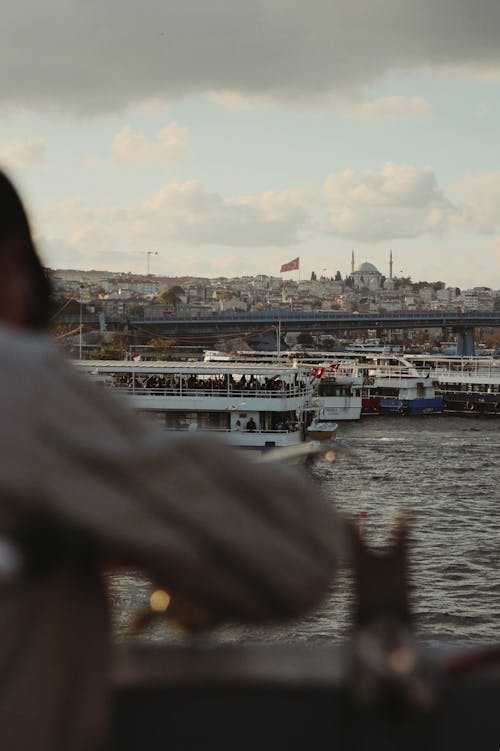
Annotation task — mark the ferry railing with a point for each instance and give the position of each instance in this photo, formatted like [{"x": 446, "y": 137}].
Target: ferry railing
[
  {"x": 138, "y": 390},
  {"x": 208, "y": 429},
  {"x": 395, "y": 372}
]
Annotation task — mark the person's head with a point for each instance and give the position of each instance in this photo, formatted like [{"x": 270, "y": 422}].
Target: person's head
[{"x": 24, "y": 287}]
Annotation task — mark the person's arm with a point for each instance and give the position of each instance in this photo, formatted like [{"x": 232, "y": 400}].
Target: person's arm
[{"x": 242, "y": 541}]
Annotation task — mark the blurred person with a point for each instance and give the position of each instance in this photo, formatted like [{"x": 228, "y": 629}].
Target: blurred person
[{"x": 83, "y": 482}]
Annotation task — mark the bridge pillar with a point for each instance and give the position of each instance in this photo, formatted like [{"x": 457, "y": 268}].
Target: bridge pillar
[{"x": 465, "y": 341}]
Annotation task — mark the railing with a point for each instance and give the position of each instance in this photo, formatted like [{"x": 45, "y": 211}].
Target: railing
[
  {"x": 205, "y": 429},
  {"x": 284, "y": 315},
  {"x": 398, "y": 372},
  {"x": 181, "y": 391},
  {"x": 293, "y": 697}
]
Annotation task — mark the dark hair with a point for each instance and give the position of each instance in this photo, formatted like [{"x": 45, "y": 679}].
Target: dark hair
[{"x": 13, "y": 221}]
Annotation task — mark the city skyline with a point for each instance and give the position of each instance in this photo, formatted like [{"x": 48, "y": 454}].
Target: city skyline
[{"x": 227, "y": 139}]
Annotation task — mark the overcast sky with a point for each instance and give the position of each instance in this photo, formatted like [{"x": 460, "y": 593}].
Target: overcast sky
[{"x": 230, "y": 136}]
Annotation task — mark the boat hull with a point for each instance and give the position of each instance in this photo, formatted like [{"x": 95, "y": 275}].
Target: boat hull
[
  {"x": 471, "y": 403},
  {"x": 432, "y": 406},
  {"x": 370, "y": 405},
  {"x": 259, "y": 440},
  {"x": 321, "y": 430},
  {"x": 321, "y": 435}
]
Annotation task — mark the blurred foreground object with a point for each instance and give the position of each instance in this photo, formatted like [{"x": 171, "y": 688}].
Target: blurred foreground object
[
  {"x": 390, "y": 686},
  {"x": 381, "y": 691},
  {"x": 82, "y": 481}
]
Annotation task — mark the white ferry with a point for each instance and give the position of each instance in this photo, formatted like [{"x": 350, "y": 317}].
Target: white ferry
[
  {"x": 400, "y": 387},
  {"x": 251, "y": 405},
  {"x": 339, "y": 388},
  {"x": 339, "y": 393}
]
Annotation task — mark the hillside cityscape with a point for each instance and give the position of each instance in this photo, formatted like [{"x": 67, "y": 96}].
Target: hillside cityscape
[
  {"x": 365, "y": 289},
  {"x": 122, "y": 296}
]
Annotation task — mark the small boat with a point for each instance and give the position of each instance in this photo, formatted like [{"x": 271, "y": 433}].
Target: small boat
[{"x": 321, "y": 430}]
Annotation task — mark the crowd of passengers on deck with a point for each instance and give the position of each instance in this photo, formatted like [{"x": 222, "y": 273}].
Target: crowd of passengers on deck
[{"x": 172, "y": 382}]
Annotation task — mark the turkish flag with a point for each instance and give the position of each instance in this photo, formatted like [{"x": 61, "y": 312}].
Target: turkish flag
[{"x": 290, "y": 266}]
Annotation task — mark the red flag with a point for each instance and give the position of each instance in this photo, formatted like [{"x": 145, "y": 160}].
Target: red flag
[
  {"x": 317, "y": 372},
  {"x": 290, "y": 266}
]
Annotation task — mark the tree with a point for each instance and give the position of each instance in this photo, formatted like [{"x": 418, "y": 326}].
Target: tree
[
  {"x": 161, "y": 345},
  {"x": 338, "y": 276},
  {"x": 171, "y": 296},
  {"x": 313, "y": 276},
  {"x": 136, "y": 310},
  {"x": 114, "y": 348}
]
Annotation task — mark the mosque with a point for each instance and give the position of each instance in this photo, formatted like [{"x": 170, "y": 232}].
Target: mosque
[{"x": 367, "y": 275}]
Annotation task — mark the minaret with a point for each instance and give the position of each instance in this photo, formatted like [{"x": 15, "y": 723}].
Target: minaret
[
  {"x": 390, "y": 265},
  {"x": 352, "y": 262}
]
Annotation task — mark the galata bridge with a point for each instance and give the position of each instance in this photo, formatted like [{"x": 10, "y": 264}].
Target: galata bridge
[{"x": 463, "y": 325}]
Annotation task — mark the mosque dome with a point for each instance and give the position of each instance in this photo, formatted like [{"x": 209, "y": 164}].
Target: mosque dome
[{"x": 368, "y": 268}]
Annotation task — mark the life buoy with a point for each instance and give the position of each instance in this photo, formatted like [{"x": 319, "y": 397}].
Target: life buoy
[{"x": 469, "y": 407}]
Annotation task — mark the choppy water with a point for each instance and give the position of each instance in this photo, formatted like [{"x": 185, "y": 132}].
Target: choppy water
[{"x": 443, "y": 472}]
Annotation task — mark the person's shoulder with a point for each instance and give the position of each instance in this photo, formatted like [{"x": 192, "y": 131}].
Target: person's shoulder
[
  {"x": 21, "y": 348},
  {"x": 30, "y": 359}
]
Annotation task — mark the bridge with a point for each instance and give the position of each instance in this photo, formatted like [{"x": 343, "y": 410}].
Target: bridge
[{"x": 462, "y": 324}]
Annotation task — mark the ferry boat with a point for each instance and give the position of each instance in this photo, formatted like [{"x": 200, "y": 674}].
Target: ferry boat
[
  {"x": 338, "y": 395},
  {"x": 400, "y": 388},
  {"x": 467, "y": 385},
  {"x": 339, "y": 392},
  {"x": 251, "y": 405}
]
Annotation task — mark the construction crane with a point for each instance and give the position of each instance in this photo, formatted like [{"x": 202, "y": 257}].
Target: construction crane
[{"x": 148, "y": 253}]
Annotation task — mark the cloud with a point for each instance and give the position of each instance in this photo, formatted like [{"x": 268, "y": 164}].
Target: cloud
[
  {"x": 185, "y": 221},
  {"x": 391, "y": 108},
  {"x": 185, "y": 212},
  {"x": 480, "y": 208},
  {"x": 19, "y": 152},
  {"x": 131, "y": 147},
  {"x": 232, "y": 100},
  {"x": 101, "y": 57},
  {"x": 181, "y": 214},
  {"x": 400, "y": 201}
]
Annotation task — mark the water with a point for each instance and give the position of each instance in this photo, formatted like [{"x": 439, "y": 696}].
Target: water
[{"x": 442, "y": 472}]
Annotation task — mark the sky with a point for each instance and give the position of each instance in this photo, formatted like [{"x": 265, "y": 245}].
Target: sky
[{"x": 228, "y": 137}]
